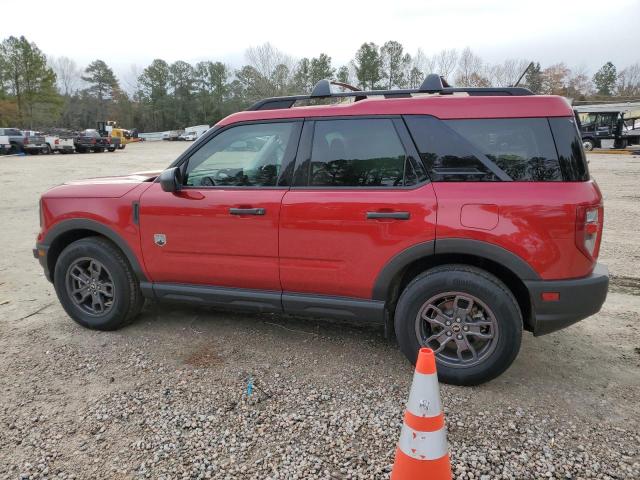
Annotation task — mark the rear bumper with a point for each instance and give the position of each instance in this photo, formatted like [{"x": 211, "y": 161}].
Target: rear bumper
[{"x": 578, "y": 299}]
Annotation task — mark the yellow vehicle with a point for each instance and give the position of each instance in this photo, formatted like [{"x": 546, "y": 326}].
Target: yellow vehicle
[
  {"x": 119, "y": 136},
  {"x": 122, "y": 134}
]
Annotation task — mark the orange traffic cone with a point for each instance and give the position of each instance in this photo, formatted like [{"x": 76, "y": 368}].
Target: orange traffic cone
[{"x": 422, "y": 451}]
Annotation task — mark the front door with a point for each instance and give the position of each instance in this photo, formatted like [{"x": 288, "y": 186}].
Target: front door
[{"x": 221, "y": 228}]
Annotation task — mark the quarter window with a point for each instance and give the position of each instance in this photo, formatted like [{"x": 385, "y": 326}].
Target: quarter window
[
  {"x": 242, "y": 156},
  {"x": 358, "y": 153},
  {"x": 520, "y": 149}
]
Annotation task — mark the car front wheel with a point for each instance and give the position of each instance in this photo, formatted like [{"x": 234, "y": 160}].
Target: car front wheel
[
  {"x": 467, "y": 316},
  {"x": 588, "y": 144},
  {"x": 96, "y": 285}
]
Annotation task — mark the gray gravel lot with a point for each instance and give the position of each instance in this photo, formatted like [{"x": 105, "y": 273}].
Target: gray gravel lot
[{"x": 166, "y": 397}]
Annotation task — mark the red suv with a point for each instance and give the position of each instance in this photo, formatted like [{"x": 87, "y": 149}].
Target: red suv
[{"x": 455, "y": 216}]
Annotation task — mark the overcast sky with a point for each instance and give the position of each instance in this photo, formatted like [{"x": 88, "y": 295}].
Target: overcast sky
[{"x": 585, "y": 32}]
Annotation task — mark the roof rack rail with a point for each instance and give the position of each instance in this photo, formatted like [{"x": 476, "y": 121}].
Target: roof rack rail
[{"x": 433, "y": 84}]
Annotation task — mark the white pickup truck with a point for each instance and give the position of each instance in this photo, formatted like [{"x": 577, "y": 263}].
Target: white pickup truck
[
  {"x": 59, "y": 144},
  {"x": 5, "y": 145},
  {"x": 53, "y": 143}
]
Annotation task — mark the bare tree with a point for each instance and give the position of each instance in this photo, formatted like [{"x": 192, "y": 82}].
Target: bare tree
[
  {"x": 130, "y": 79},
  {"x": 629, "y": 81},
  {"x": 445, "y": 62},
  {"x": 555, "y": 79},
  {"x": 507, "y": 73},
  {"x": 266, "y": 59},
  {"x": 470, "y": 71},
  {"x": 68, "y": 74},
  {"x": 579, "y": 82}
]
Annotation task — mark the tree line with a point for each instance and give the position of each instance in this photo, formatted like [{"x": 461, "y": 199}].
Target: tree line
[{"x": 40, "y": 92}]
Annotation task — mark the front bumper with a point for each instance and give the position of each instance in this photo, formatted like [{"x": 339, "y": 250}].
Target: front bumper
[
  {"x": 578, "y": 299},
  {"x": 40, "y": 254}
]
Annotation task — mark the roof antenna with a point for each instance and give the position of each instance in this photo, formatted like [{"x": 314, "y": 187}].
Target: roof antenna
[{"x": 523, "y": 74}]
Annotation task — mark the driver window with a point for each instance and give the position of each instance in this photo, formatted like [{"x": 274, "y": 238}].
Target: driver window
[{"x": 243, "y": 156}]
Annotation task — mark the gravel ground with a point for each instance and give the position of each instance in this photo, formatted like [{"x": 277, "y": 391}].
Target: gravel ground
[{"x": 167, "y": 396}]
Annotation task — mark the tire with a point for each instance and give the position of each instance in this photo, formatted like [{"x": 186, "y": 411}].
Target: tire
[
  {"x": 621, "y": 143},
  {"x": 47, "y": 150},
  {"x": 14, "y": 149},
  {"x": 494, "y": 311},
  {"x": 121, "y": 147},
  {"x": 588, "y": 144},
  {"x": 126, "y": 297}
]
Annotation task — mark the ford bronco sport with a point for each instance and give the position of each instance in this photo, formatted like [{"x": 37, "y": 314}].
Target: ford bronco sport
[{"x": 457, "y": 217}]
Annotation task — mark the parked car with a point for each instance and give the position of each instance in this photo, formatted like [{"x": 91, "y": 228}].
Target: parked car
[
  {"x": 456, "y": 221},
  {"x": 5, "y": 145},
  {"x": 53, "y": 143},
  {"x": 172, "y": 135},
  {"x": 188, "y": 136},
  {"x": 91, "y": 140},
  {"x": 21, "y": 142},
  {"x": 59, "y": 144},
  {"x": 192, "y": 133}
]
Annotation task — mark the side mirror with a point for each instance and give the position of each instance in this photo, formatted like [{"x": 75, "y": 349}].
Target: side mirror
[{"x": 171, "y": 180}]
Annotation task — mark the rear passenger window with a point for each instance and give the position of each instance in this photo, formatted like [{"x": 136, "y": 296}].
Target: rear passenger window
[
  {"x": 358, "y": 153},
  {"x": 520, "y": 149}
]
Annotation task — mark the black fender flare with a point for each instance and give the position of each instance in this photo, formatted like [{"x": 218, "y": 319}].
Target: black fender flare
[
  {"x": 460, "y": 246},
  {"x": 99, "y": 228}
]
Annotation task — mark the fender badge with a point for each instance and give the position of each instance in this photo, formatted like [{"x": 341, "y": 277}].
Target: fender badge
[{"x": 160, "y": 239}]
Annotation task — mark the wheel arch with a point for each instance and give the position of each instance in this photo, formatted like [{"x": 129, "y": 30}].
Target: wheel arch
[
  {"x": 68, "y": 231},
  {"x": 506, "y": 266}
]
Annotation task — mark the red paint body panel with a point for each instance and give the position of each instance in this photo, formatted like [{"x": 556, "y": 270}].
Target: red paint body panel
[
  {"x": 328, "y": 246},
  {"x": 114, "y": 213},
  {"x": 448, "y": 107},
  {"x": 537, "y": 221},
  {"x": 208, "y": 245},
  {"x": 101, "y": 187}
]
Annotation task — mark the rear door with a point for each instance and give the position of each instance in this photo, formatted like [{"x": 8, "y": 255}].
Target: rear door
[
  {"x": 221, "y": 229},
  {"x": 359, "y": 197}
]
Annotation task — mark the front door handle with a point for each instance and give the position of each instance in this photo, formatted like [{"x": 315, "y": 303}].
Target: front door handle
[
  {"x": 393, "y": 215},
  {"x": 247, "y": 211}
]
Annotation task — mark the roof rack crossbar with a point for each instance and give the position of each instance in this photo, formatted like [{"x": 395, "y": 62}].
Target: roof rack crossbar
[{"x": 432, "y": 84}]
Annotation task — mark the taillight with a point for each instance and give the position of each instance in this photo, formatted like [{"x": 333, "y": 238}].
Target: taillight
[
  {"x": 93, "y": 140},
  {"x": 589, "y": 230},
  {"x": 57, "y": 141}
]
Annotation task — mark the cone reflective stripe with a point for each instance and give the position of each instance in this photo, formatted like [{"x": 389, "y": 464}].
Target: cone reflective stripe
[{"x": 422, "y": 451}]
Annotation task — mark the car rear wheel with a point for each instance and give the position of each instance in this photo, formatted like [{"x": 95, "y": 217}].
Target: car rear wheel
[
  {"x": 467, "y": 316},
  {"x": 96, "y": 285},
  {"x": 47, "y": 150}
]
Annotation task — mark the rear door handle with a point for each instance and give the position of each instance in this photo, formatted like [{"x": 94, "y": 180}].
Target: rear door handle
[
  {"x": 394, "y": 215},
  {"x": 247, "y": 211}
]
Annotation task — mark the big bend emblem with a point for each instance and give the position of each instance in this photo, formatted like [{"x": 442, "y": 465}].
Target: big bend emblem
[{"x": 160, "y": 239}]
